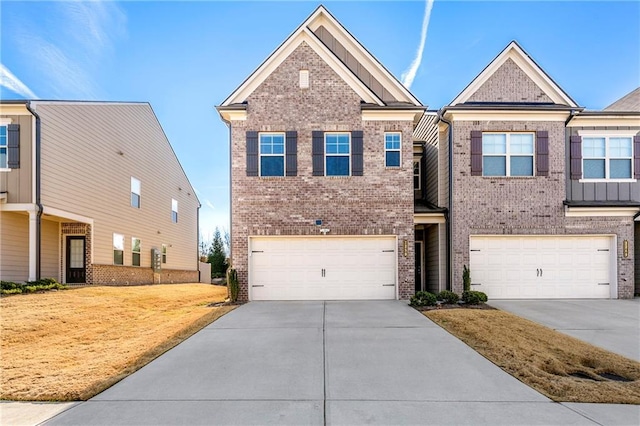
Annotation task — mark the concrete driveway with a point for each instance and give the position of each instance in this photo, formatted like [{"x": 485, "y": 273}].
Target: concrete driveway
[
  {"x": 315, "y": 363},
  {"x": 610, "y": 324}
]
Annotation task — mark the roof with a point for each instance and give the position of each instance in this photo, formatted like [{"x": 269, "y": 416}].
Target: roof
[
  {"x": 628, "y": 103},
  {"x": 321, "y": 22},
  {"x": 427, "y": 129}
]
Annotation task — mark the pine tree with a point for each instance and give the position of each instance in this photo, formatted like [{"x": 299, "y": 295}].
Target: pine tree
[{"x": 217, "y": 257}]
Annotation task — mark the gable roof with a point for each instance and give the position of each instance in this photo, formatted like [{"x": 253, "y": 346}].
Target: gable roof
[
  {"x": 630, "y": 102},
  {"x": 306, "y": 33},
  {"x": 515, "y": 53}
]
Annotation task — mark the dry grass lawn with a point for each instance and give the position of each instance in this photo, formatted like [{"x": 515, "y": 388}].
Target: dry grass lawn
[
  {"x": 543, "y": 358},
  {"x": 70, "y": 345}
]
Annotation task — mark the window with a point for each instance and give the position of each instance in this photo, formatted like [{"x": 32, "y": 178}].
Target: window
[
  {"x": 3, "y": 148},
  {"x": 271, "y": 154},
  {"x": 164, "y": 253},
  {"x": 118, "y": 249},
  {"x": 135, "y": 251},
  {"x": 135, "y": 193},
  {"x": 507, "y": 154},
  {"x": 337, "y": 150},
  {"x": 607, "y": 157},
  {"x": 174, "y": 210},
  {"x": 392, "y": 149},
  {"x": 417, "y": 175}
]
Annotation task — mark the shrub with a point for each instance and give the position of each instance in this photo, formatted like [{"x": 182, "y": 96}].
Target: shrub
[
  {"x": 466, "y": 278},
  {"x": 232, "y": 283},
  {"x": 423, "y": 298},
  {"x": 471, "y": 297},
  {"x": 44, "y": 284},
  {"x": 448, "y": 297},
  {"x": 9, "y": 285}
]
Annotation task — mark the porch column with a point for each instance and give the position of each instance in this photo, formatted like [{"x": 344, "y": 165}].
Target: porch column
[{"x": 33, "y": 246}]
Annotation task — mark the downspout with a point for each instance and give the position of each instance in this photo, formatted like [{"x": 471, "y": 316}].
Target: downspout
[
  {"x": 230, "y": 265},
  {"x": 38, "y": 192},
  {"x": 198, "y": 240},
  {"x": 449, "y": 214}
]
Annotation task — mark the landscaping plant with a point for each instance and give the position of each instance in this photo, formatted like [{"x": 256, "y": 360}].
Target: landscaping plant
[
  {"x": 232, "y": 283},
  {"x": 423, "y": 298},
  {"x": 471, "y": 297},
  {"x": 466, "y": 278},
  {"x": 448, "y": 297}
]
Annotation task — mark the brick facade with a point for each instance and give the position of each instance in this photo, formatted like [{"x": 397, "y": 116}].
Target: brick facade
[
  {"x": 134, "y": 275},
  {"x": 380, "y": 202}
]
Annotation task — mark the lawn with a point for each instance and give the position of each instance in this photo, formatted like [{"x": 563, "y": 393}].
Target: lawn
[
  {"x": 70, "y": 345},
  {"x": 543, "y": 358}
]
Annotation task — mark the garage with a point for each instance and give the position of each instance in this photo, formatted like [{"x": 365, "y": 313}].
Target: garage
[
  {"x": 322, "y": 268},
  {"x": 543, "y": 267}
]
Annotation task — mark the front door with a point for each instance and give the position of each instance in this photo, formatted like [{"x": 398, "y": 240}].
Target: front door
[
  {"x": 76, "y": 271},
  {"x": 418, "y": 252}
]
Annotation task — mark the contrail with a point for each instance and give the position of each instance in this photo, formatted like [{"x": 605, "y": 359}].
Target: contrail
[
  {"x": 410, "y": 74},
  {"x": 13, "y": 83}
]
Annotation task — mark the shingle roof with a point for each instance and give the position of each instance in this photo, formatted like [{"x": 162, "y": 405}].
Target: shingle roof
[{"x": 629, "y": 102}]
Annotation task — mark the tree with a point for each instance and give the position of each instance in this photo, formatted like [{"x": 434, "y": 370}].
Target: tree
[{"x": 217, "y": 256}]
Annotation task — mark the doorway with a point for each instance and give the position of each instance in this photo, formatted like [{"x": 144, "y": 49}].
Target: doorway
[{"x": 76, "y": 266}]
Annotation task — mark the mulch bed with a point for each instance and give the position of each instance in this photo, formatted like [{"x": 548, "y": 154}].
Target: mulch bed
[{"x": 453, "y": 306}]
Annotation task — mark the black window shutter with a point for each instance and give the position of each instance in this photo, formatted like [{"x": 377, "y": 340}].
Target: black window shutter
[
  {"x": 476, "y": 153},
  {"x": 357, "y": 165},
  {"x": 13, "y": 146},
  {"x": 575, "y": 153},
  {"x": 292, "y": 153},
  {"x": 636, "y": 157},
  {"x": 317, "y": 151},
  {"x": 542, "y": 153},
  {"x": 252, "y": 153}
]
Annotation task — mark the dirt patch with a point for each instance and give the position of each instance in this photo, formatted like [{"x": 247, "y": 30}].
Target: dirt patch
[
  {"x": 559, "y": 366},
  {"x": 73, "y": 344}
]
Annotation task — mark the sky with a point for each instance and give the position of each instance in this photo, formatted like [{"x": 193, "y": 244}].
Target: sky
[{"x": 184, "y": 58}]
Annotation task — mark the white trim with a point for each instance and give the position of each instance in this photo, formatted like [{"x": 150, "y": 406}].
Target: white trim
[
  {"x": 399, "y": 150},
  {"x": 350, "y": 155},
  {"x": 391, "y": 115},
  {"x": 283, "y": 155},
  {"x": 233, "y": 114},
  {"x": 609, "y": 120},
  {"x": 13, "y": 109},
  {"x": 5, "y": 121},
  {"x": 33, "y": 241},
  {"x": 605, "y": 133},
  {"x": 4, "y": 170},
  {"x": 64, "y": 214},
  {"x": 427, "y": 218},
  {"x": 507, "y": 154},
  {"x": 18, "y": 207},
  {"x": 528, "y": 66},
  {"x": 419, "y": 161},
  {"x": 600, "y": 211},
  {"x": 507, "y": 115}
]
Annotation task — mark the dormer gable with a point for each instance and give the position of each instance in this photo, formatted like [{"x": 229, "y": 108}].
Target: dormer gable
[{"x": 512, "y": 78}]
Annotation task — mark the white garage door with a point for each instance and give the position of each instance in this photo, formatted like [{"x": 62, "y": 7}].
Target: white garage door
[
  {"x": 542, "y": 267},
  {"x": 322, "y": 268}
]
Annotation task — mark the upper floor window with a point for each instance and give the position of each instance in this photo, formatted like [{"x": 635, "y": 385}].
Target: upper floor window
[
  {"x": 174, "y": 210},
  {"x": 392, "y": 149},
  {"x": 118, "y": 249},
  {"x": 607, "y": 157},
  {"x": 3, "y": 148},
  {"x": 417, "y": 175},
  {"x": 135, "y": 251},
  {"x": 271, "y": 154},
  {"x": 507, "y": 154},
  {"x": 164, "y": 253},
  {"x": 135, "y": 192},
  {"x": 337, "y": 154}
]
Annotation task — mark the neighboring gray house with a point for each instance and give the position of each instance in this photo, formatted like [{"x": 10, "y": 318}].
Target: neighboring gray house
[{"x": 88, "y": 190}]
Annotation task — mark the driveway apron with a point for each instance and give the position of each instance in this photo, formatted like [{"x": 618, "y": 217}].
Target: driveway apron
[{"x": 365, "y": 362}]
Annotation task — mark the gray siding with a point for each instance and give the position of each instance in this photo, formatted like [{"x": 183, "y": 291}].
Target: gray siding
[
  {"x": 431, "y": 162},
  {"x": 50, "y": 250},
  {"x": 598, "y": 191},
  {"x": 17, "y": 182},
  {"x": 443, "y": 168},
  {"x": 432, "y": 259},
  {"x": 14, "y": 246},
  {"x": 636, "y": 256}
]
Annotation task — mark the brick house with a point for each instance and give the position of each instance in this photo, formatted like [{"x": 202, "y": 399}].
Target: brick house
[
  {"x": 544, "y": 194},
  {"x": 87, "y": 191}
]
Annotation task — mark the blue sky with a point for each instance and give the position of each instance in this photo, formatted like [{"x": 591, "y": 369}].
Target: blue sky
[{"x": 186, "y": 57}]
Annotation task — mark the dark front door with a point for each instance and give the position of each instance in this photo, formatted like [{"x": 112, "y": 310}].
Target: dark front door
[
  {"x": 76, "y": 268},
  {"x": 418, "y": 252}
]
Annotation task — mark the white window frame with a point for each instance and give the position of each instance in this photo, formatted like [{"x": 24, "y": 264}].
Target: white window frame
[
  {"x": 118, "y": 245},
  {"x": 419, "y": 175},
  {"x": 283, "y": 155},
  {"x": 399, "y": 150},
  {"x": 326, "y": 155},
  {"x": 606, "y": 134},
  {"x": 174, "y": 210},
  {"x": 135, "y": 181},
  {"x": 163, "y": 253},
  {"x": 134, "y": 252},
  {"x": 508, "y": 154},
  {"x": 4, "y": 122}
]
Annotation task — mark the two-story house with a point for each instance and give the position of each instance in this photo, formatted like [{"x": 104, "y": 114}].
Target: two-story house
[
  {"x": 543, "y": 193},
  {"x": 88, "y": 191}
]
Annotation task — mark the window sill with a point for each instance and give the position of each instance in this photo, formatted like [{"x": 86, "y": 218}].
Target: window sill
[
  {"x": 607, "y": 180},
  {"x": 511, "y": 177},
  {"x": 5, "y": 170},
  {"x": 272, "y": 177}
]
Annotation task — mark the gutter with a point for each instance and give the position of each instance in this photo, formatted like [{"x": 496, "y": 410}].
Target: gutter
[
  {"x": 38, "y": 190},
  {"x": 449, "y": 214},
  {"x": 230, "y": 265}
]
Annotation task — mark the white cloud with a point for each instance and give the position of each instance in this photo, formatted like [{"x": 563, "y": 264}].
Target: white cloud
[
  {"x": 410, "y": 73},
  {"x": 209, "y": 204},
  {"x": 13, "y": 83}
]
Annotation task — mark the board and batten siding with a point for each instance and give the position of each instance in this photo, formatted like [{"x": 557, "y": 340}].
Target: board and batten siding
[
  {"x": 17, "y": 182},
  {"x": 14, "y": 246},
  {"x": 599, "y": 191},
  {"x": 90, "y": 151},
  {"x": 50, "y": 250}
]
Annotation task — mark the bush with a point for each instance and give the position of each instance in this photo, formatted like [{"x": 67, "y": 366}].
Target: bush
[
  {"x": 44, "y": 284},
  {"x": 232, "y": 283},
  {"x": 471, "y": 297},
  {"x": 466, "y": 278},
  {"x": 423, "y": 298},
  {"x": 448, "y": 297}
]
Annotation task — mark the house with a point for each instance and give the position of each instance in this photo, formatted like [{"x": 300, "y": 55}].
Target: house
[
  {"x": 92, "y": 192},
  {"x": 321, "y": 138},
  {"x": 543, "y": 193}
]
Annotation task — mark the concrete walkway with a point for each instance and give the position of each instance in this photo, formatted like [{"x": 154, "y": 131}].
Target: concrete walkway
[
  {"x": 611, "y": 324},
  {"x": 314, "y": 363}
]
